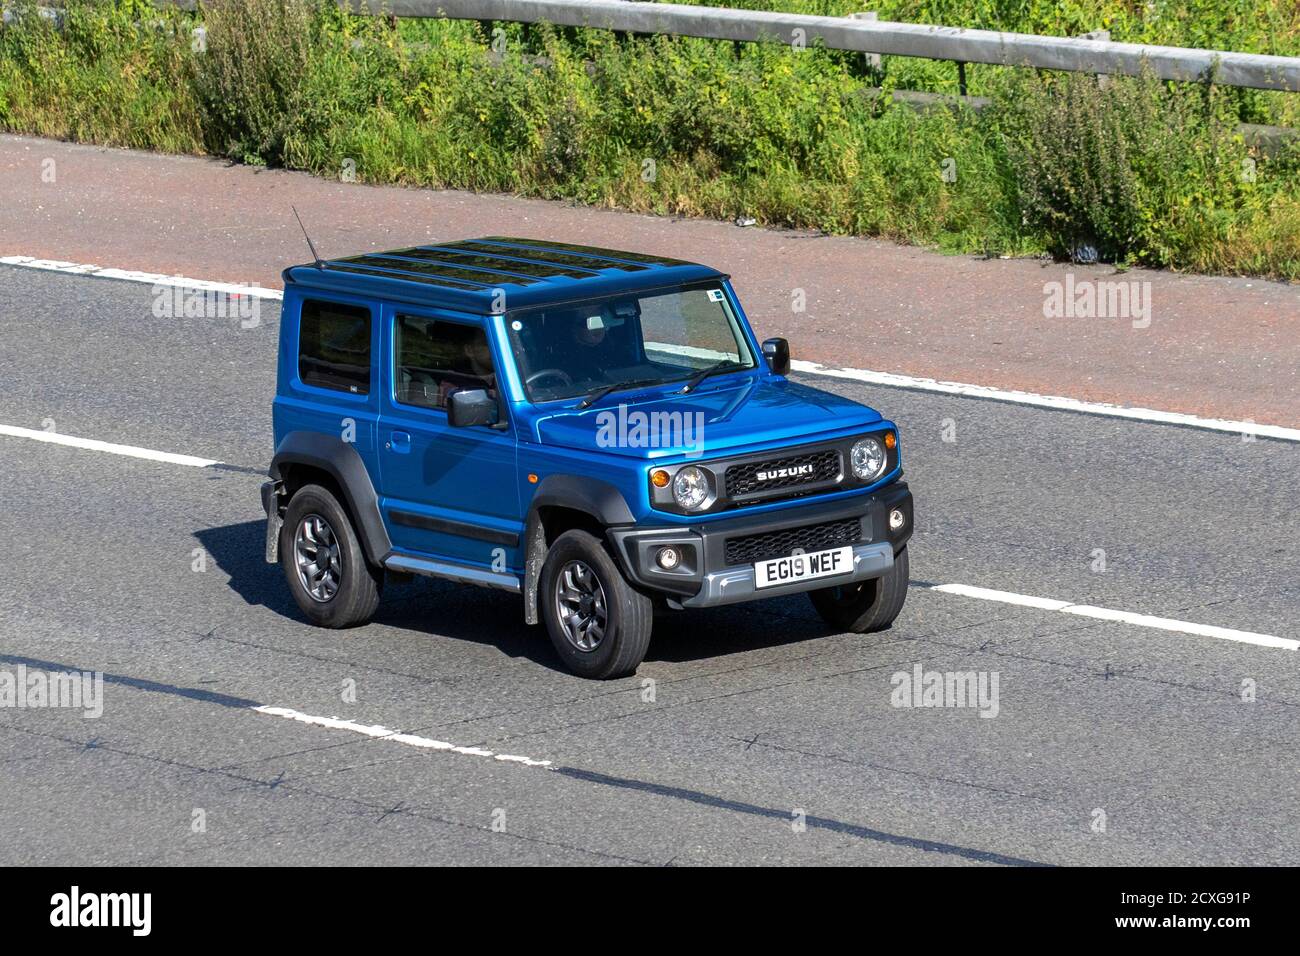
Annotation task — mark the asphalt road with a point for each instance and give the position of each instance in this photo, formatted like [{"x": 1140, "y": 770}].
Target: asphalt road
[{"x": 760, "y": 718}]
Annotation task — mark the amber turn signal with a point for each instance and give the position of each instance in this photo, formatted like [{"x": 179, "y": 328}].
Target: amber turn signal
[
  {"x": 890, "y": 440},
  {"x": 659, "y": 478}
]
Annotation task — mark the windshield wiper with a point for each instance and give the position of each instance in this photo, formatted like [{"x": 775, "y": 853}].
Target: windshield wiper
[
  {"x": 714, "y": 369},
  {"x": 593, "y": 397}
]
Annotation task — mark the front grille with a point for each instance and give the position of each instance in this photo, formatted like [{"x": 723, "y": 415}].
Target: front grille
[
  {"x": 816, "y": 467},
  {"x": 777, "y": 544}
]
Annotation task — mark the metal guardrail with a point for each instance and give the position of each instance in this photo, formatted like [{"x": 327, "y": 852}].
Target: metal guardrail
[
  {"x": 1077, "y": 55},
  {"x": 1089, "y": 54}
]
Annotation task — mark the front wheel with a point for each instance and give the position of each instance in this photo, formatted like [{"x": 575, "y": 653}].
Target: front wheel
[
  {"x": 600, "y": 625},
  {"x": 865, "y": 606}
]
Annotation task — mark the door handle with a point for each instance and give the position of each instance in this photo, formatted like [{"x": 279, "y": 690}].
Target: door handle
[{"x": 399, "y": 442}]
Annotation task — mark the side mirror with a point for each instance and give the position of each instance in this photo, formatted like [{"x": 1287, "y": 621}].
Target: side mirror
[
  {"x": 471, "y": 406},
  {"x": 777, "y": 353}
]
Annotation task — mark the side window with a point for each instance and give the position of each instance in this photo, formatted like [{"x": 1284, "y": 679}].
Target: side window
[
  {"x": 334, "y": 346},
  {"x": 435, "y": 358}
]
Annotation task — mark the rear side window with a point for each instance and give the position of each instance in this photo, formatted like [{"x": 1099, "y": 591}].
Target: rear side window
[
  {"x": 436, "y": 358},
  {"x": 334, "y": 346}
]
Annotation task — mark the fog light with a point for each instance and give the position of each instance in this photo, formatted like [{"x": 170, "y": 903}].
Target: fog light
[
  {"x": 896, "y": 520},
  {"x": 668, "y": 558}
]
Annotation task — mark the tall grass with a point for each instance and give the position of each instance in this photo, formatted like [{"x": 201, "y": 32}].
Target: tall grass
[{"x": 1145, "y": 171}]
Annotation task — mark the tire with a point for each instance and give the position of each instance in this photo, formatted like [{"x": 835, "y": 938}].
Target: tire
[
  {"x": 865, "y": 606},
  {"x": 577, "y": 565},
  {"x": 349, "y": 594}
]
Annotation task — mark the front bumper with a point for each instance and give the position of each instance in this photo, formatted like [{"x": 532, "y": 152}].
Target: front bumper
[{"x": 717, "y": 557}]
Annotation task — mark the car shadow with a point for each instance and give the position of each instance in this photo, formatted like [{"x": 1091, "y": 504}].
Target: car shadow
[
  {"x": 237, "y": 550},
  {"x": 425, "y": 606},
  {"x": 692, "y": 635},
  {"x": 495, "y": 618}
]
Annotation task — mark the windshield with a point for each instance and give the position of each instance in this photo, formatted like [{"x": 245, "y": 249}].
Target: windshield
[{"x": 662, "y": 336}]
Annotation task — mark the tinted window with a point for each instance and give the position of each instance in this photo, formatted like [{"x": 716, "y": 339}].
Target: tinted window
[
  {"x": 334, "y": 346},
  {"x": 436, "y": 358}
]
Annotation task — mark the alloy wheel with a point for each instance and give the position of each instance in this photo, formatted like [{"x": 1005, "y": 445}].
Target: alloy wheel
[
  {"x": 580, "y": 606},
  {"x": 316, "y": 555}
]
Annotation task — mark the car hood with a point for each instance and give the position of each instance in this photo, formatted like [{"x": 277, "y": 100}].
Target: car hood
[{"x": 717, "y": 418}]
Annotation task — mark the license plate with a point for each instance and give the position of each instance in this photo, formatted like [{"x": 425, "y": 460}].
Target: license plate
[{"x": 803, "y": 567}]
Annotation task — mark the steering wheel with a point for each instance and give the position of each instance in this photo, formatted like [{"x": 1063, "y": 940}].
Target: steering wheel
[{"x": 542, "y": 373}]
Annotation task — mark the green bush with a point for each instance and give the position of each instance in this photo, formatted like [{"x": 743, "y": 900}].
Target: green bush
[
  {"x": 251, "y": 79},
  {"x": 112, "y": 75},
  {"x": 1114, "y": 166}
]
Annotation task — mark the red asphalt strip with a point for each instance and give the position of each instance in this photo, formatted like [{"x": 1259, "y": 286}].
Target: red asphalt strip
[{"x": 1215, "y": 347}]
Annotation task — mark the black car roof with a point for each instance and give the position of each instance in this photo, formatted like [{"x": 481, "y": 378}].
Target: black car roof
[{"x": 497, "y": 272}]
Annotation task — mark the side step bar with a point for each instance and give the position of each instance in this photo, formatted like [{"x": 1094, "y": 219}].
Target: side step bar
[{"x": 452, "y": 572}]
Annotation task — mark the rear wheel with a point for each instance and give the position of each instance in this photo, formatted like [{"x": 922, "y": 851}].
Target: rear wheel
[
  {"x": 600, "y": 625},
  {"x": 865, "y": 606},
  {"x": 324, "y": 563}
]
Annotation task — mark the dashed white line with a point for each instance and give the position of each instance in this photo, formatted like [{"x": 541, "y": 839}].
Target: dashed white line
[
  {"x": 890, "y": 379},
  {"x": 1006, "y": 597},
  {"x": 1123, "y": 617},
  {"x": 383, "y": 733},
  {"x": 149, "y": 278},
  {"x": 92, "y": 444}
]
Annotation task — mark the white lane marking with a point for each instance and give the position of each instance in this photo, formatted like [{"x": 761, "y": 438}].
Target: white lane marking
[
  {"x": 149, "y": 278},
  {"x": 1056, "y": 402},
  {"x": 891, "y": 379},
  {"x": 1186, "y": 627},
  {"x": 92, "y": 444},
  {"x": 1123, "y": 617},
  {"x": 1006, "y": 597},
  {"x": 383, "y": 733}
]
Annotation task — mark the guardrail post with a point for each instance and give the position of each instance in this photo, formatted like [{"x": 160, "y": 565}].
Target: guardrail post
[
  {"x": 53, "y": 14},
  {"x": 870, "y": 60},
  {"x": 1103, "y": 79},
  {"x": 961, "y": 79}
]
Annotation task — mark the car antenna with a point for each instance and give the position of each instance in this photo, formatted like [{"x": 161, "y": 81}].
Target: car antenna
[{"x": 310, "y": 245}]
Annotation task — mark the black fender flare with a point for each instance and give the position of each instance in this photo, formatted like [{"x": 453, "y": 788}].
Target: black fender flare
[
  {"x": 598, "y": 499},
  {"x": 340, "y": 460}
]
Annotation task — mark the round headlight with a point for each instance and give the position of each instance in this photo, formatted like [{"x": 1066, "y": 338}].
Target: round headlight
[
  {"x": 690, "y": 488},
  {"x": 869, "y": 459}
]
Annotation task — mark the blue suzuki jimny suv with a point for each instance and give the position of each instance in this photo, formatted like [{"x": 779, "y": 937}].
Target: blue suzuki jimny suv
[{"x": 596, "y": 431}]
